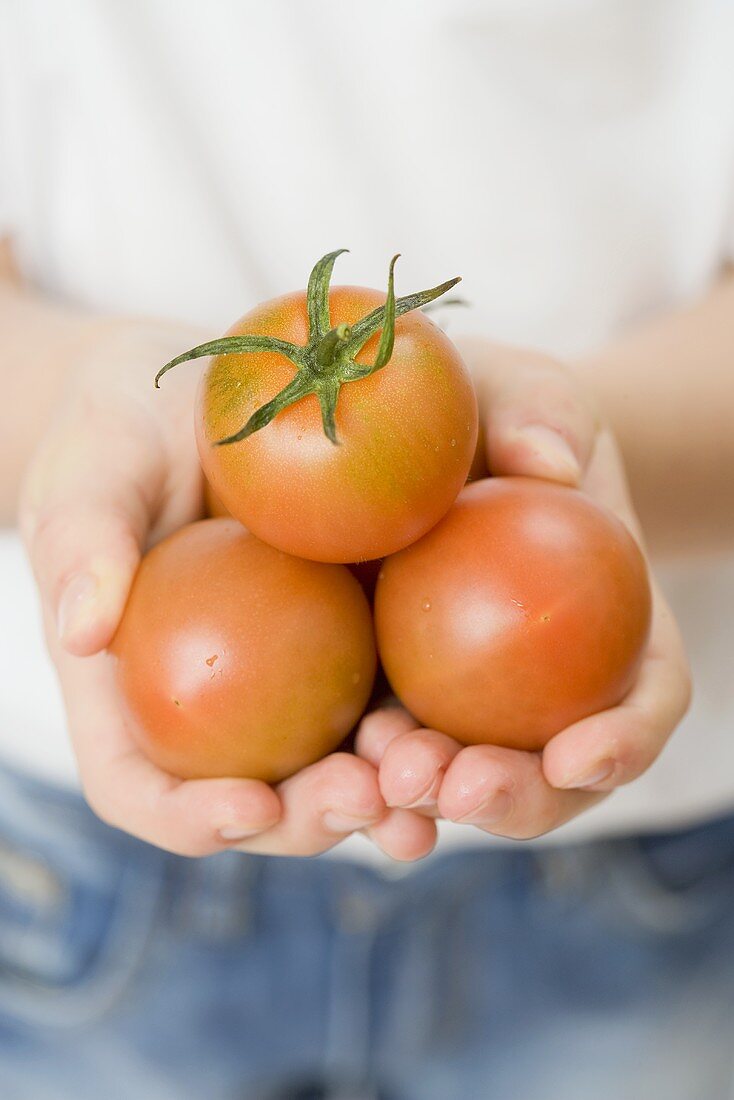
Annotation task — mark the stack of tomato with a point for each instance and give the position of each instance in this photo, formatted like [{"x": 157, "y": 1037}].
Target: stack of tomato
[{"x": 337, "y": 427}]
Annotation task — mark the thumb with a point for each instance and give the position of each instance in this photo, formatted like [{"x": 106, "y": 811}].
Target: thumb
[
  {"x": 85, "y": 511},
  {"x": 537, "y": 419}
]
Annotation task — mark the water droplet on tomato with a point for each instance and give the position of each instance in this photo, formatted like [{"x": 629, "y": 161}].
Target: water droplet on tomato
[
  {"x": 426, "y": 605},
  {"x": 453, "y": 442},
  {"x": 356, "y": 677},
  {"x": 212, "y": 660}
]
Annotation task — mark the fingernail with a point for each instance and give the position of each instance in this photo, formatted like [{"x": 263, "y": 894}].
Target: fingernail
[
  {"x": 589, "y": 778},
  {"x": 336, "y": 822},
  {"x": 238, "y": 832},
  {"x": 551, "y": 446},
  {"x": 75, "y": 603},
  {"x": 428, "y": 798},
  {"x": 490, "y": 812}
]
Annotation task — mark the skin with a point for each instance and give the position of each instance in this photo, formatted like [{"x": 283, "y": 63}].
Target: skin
[
  {"x": 407, "y": 437},
  {"x": 235, "y": 659},
  {"x": 100, "y": 487},
  {"x": 667, "y": 391},
  {"x": 525, "y": 609}
]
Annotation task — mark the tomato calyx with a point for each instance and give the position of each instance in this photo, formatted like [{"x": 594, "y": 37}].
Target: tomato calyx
[{"x": 328, "y": 360}]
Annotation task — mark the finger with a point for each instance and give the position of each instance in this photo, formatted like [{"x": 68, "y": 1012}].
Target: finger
[
  {"x": 378, "y": 729},
  {"x": 85, "y": 510},
  {"x": 609, "y": 749},
  {"x": 616, "y": 746},
  {"x": 605, "y": 481},
  {"x": 322, "y": 804},
  {"x": 193, "y": 818},
  {"x": 404, "y": 835},
  {"x": 413, "y": 767},
  {"x": 504, "y": 792},
  {"x": 538, "y": 420}
]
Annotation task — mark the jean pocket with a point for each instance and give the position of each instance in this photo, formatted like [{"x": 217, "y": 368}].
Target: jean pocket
[{"x": 76, "y": 910}]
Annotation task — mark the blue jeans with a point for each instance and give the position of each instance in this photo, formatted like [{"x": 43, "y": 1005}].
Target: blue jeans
[{"x": 596, "y": 972}]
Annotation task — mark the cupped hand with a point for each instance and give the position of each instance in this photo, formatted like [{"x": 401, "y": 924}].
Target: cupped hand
[
  {"x": 116, "y": 472},
  {"x": 538, "y": 421}
]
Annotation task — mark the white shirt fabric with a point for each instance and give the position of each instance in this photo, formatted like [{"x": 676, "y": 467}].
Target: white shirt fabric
[{"x": 572, "y": 159}]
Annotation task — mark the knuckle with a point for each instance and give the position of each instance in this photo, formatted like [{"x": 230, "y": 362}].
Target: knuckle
[
  {"x": 563, "y": 397},
  {"x": 64, "y": 538},
  {"x": 544, "y": 377},
  {"x": 58, "y": 532},
  {"x": 50, "y": 527}
]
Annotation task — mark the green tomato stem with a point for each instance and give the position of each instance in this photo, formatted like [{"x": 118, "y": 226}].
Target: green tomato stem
[{"x": 328, "y": 360}]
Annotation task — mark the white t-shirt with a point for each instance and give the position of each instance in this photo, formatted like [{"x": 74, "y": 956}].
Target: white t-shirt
[{"x": 572, "y": 159}]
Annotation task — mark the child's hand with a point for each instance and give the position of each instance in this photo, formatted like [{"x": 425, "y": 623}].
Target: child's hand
[
  {"x": 118, "y": 470},
  {"x": 538, "y": 422}
]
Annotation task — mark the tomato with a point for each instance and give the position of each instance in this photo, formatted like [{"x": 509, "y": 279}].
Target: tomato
[
  {"x": 525, "y": 609},
  {"x": 350, "y": 462},
  {"x": 365, "y": 571},
  {"x": 212, "y": 504},
  {"x": 235, "y": 659}
]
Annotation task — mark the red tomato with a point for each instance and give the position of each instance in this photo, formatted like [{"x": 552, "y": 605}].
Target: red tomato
[
  {"x": 235, "y": 659},
  {"x": 365, "y": 571},
  {"x": 362, "y": 462},
  {"x": 525, "y": 609}
]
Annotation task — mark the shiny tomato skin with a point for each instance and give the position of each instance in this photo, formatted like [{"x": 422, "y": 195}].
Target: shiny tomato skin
[
  {"x": 524, "y": 610},
  {"x": 365, "y": 571},
  {"x": 406, "y": 434},
  {"x": 235, "y": 659}
]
